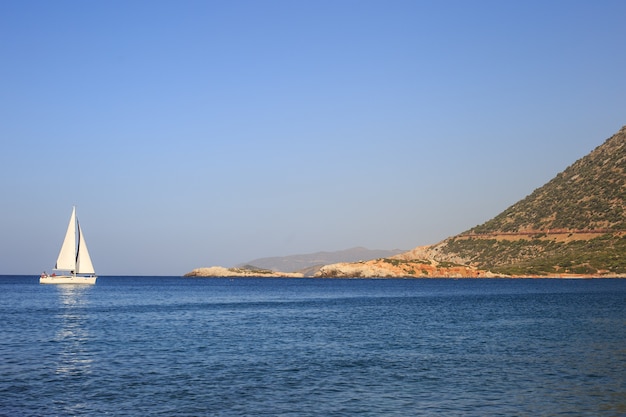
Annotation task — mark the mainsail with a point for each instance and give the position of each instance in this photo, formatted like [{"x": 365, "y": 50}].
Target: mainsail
[
  {"x": 74, "y": 257},
  {"x": 67, "y": 256}
]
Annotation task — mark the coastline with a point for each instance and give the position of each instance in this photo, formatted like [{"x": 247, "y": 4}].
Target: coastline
[{"x": 222, "y": 272}]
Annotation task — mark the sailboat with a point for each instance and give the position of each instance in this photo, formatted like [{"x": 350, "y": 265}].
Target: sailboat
[{"x": 74, "y": 261}]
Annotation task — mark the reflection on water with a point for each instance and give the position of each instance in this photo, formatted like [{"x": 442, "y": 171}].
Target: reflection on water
[{"x": 73, "y": 359}]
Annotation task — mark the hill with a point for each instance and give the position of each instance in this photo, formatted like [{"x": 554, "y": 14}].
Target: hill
[
  {"x": 588, "y": 196},
  {"x": 575, "y": 225}
]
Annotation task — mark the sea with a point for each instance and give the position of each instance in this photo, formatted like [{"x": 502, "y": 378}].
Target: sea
[{"x": 172, "y": 346}]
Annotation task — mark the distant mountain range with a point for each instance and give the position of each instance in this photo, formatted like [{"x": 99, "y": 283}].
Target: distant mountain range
[{"x": 304, "y": 262}]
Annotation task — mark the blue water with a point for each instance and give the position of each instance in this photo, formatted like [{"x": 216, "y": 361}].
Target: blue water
[{"x": 310, "y": 347}]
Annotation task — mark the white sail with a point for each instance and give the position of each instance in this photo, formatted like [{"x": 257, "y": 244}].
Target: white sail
[
  {"x": 83, "y": 260},
  {"x": 67, "y": 256}
]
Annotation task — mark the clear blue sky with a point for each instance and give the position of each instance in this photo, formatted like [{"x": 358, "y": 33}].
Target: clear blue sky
[{"x": 199, "y": 133}]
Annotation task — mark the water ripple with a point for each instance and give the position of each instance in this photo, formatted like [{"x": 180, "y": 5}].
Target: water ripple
[{"x": 314, "y": 347}]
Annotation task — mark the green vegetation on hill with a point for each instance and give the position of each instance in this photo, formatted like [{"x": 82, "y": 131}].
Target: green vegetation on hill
[
  {"x": 600, "y": 255},
  {"x": 576, "y": 223},
  {"x": 588, "y": 195}
]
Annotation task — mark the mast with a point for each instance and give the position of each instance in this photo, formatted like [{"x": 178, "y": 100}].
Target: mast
[{"x": 75, "y": 271}]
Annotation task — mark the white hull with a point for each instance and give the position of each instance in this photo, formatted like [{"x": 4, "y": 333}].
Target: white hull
[{"x": 66, "y": 279}]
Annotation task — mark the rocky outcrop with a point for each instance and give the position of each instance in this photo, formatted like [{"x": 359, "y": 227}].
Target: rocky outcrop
[
  {"x": 401, "y": 268},
  {"x": 221, "y": 272}
]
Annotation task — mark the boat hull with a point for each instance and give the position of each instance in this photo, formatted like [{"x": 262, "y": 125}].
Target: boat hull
[{"x": 66, "y": 279}]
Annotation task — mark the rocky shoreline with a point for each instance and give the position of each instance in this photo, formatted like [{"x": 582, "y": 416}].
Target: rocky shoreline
[
  {"x": 221, "y": 272},
  {"x": 379, "y": 268}
]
